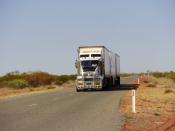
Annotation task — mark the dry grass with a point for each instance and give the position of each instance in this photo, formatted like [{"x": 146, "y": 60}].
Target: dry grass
[
  {"x": 9, "y": 92},
  {"x": 69, "y": 84},
  {"x": 160, "y": 82},
  {"x": 155, "y": 100},
  {"x": 154, "y": 105}
]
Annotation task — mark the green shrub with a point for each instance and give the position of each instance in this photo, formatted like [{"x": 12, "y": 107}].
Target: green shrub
[
  {"x": 3, "y": 83},
  {"x": 59, "y": 80},
  {"x": 35, "y": 79},
  {"x": 158, "y": 74},
  {"x": 39, "y": 79},
  {"x": 17, "y": 83},
  {"x": 51, "y": 87},
  {"x": 157, "y": 114},
  {"x": 168, "y": 91},
  {"x": 170, "y": 75}
]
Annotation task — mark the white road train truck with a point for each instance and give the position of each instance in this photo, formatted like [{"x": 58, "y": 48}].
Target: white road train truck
[{"x": 97, "y": 68}]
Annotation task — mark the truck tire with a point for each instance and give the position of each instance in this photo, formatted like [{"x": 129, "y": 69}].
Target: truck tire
[
  {"x": 118, "y": 81},
  {"x": 105, "y": 84},
  {"x": 77, "y": 90}
]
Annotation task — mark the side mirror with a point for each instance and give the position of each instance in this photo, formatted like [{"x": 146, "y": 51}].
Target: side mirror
[
  {"x": 99, "y": 63},
  {"x": 76, "y": 64}
]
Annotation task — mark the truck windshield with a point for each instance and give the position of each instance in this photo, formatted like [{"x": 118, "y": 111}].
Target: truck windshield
[{"x": 91, "y": 63}]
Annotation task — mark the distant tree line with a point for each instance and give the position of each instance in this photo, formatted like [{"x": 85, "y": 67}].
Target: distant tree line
[
  {"x": 170, "y": 74},
  {"x": 33, "y": 79},
  {"x": 128, "y": 74}
]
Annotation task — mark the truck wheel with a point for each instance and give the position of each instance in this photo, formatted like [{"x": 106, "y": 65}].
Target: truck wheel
[
  {"x": 77, "y": 90},
  {"x": 105, "y": 84},
  {"x": 118, "y": 80}
]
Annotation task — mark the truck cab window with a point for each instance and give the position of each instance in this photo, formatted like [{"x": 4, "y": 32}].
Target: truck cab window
[
  {"x": 95, "y": 55},
  {"x": 86, "y": 55},
  {"x": 92, "y": 63}
]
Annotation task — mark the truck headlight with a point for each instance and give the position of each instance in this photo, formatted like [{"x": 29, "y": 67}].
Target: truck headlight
[{"x": 80, "y": 83}]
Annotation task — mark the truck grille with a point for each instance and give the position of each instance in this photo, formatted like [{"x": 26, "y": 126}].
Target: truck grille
[
  {"x": 88, "y": 79},
  {"x": 88, "y": 84}
]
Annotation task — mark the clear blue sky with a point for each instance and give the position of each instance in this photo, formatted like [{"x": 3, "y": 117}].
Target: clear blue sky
[{"x": 44, "y": 34}]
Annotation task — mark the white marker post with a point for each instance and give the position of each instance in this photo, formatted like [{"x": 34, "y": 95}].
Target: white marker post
[
  {"x": 138, "y": 81},
  {"x": 133, "y": 101},
  {"x": 134, "y": 98}
]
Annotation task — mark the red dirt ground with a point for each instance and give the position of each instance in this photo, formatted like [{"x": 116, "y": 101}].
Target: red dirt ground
[
  {"x": 168, "y": 126},
  {"x": 144, "y": 121}
]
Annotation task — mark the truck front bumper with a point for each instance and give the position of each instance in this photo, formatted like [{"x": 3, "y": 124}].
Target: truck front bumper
[
  {"x": 93, "y": 85},
  {"x": 89, "y": 83},
  {"x": 89, "y": 87}
]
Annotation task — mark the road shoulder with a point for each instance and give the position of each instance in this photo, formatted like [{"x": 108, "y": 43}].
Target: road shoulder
[{"x": 154, "y": 109}]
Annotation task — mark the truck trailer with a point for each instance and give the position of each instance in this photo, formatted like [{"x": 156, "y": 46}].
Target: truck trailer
[{"x": 97, "y": 68}]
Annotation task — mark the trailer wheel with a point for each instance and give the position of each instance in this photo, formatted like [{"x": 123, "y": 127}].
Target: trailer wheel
[
  {"x": 118, "y": 81},
  {"x": 105, "y": 84}
]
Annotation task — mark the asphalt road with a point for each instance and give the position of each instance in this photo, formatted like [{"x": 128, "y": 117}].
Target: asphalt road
[{"x": 64, "y": 110}]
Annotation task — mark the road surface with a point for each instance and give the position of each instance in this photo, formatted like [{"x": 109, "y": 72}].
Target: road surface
[{"x": 64, "y": 110}]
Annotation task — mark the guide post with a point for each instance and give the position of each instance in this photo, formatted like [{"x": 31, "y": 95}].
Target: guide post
[{"x": 133, "y": 91}]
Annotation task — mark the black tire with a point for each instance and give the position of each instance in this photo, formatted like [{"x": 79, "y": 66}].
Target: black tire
[
  {"x": 77, "y": 90},
  {"x": 105, "y": 84}
]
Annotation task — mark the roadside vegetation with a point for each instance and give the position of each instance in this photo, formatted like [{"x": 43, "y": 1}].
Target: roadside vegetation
[
  {"x": 155, "y": 103},
  {"x": 170, "y": 75},
  {"x": 127, "y": 74},
  {"x": 32, "y": 81}
]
